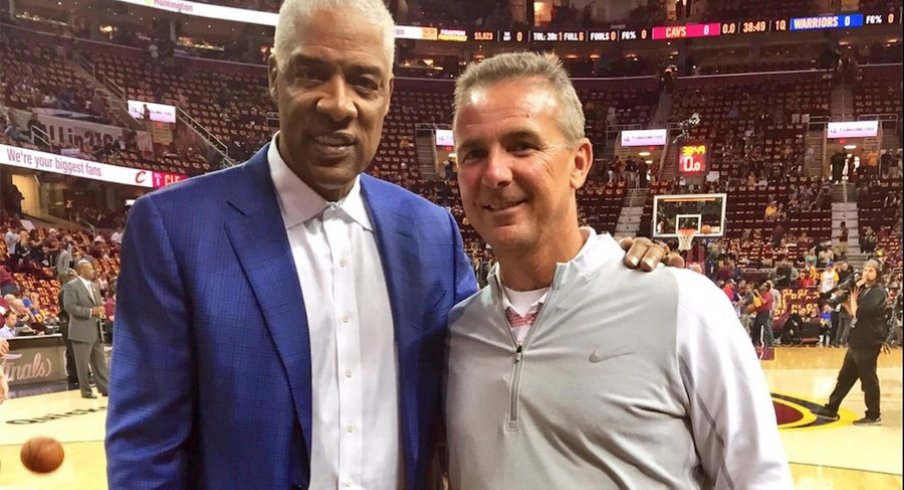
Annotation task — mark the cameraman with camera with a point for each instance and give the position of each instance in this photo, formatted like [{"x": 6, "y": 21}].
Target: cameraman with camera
[{"x": 866, "y": 304}]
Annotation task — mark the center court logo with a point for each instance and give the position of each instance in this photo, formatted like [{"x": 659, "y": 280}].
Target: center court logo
[
  {"x": 794, "y": 413},
  {"x": 56, "y": 416}
]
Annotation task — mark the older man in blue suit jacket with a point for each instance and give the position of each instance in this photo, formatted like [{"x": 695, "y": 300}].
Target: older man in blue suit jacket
[{"x": 281, "y": 324}]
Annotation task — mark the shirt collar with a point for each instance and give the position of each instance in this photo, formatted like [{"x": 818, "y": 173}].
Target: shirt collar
[
  {"x": 507, "y": 305},
  {"x": 298, "y": 203},
  {"x": 596, "y": 250}
]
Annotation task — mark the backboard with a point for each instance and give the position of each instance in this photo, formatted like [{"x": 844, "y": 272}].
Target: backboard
[{"x": 703, "y": 212}]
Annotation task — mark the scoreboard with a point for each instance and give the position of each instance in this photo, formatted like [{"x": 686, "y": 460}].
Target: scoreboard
[
  {"x": 635, "y": 32},
  {"x": 692, "y": 159},
  {"x": 687, "y": 31}
]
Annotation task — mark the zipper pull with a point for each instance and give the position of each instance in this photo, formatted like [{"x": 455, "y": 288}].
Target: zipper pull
[{"x": 518, "y": 355}]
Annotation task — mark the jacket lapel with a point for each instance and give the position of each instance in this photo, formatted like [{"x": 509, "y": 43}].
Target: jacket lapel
[
  {"x": 400, "y": 256},
  {"x": 259, "y": 239},
  {"x": 89, "y": 293}
]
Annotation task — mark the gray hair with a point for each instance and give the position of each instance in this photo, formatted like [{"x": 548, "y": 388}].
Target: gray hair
[
  {"x": 525, "y": 65},
  {"x": 292, "y": 12}
]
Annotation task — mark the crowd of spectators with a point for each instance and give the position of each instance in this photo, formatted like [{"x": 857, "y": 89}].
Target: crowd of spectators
[
  {"x": 755, "y": 129},
  {"x": 34, "y": 258}
]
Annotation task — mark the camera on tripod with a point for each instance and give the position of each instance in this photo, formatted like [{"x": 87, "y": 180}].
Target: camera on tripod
[{"x": 840, "y": 293}]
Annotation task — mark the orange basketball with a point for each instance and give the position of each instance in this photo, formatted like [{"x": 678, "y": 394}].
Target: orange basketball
[
  {"x": 706, "y": 229},
  {"x": 42, "y": 454}
]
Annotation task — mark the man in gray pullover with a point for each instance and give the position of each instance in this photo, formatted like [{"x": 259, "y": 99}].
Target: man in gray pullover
[{"x": 563, "y": 373}]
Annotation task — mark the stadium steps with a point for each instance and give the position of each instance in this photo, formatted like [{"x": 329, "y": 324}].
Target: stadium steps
[
  {"x": 670, "y": 166},
  {"x": 890, "y": 138},
  {"x": 116, "y": 99},
  {"x": 844, "y": 193},
  {"x": 842, "y": 103},
  {"x": 628, "y": 222},
  {"x": 856, "y": 260},
  {"x": 815, "y": 164},
  {"x": 162, "y": 133},
  {"x": 425, "y": 147},
  {"x": 663, "y": 111},
  {"x": 117, "y": 104},
  {"x": 847, "y": 212}
]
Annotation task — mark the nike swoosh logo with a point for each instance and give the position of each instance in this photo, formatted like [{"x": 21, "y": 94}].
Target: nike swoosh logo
[{"x": 597, "y": 356}]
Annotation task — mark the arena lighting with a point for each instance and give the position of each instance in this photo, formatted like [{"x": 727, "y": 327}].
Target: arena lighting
[
  {"x": 850, "y": 147},
  {"x": 644, "y": 154},
  {"x": 648, "y": 161}
]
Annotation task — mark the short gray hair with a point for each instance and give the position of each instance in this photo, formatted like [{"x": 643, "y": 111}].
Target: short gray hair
[
  {"x": 293, "y": 11},
  {"x": 525, "y": 65}
]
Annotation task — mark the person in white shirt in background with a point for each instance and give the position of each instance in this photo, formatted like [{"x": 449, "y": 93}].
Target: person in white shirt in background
[
  {"x": 116, "y": 237},
  {"x": 561, "y": 372},
  {"x": 10, "y": 321}
]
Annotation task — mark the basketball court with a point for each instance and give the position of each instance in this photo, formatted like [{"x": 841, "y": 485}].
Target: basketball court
[{"x": 822, "y": 455}]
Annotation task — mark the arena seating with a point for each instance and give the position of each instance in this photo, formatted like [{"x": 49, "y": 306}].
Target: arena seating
[
  {"x": 740, "y": 103},
  {"x": 753, "y": 9},
  {"x": 879, "y": 92},
  {"x": 756, "y": 125},
  {"x": 231, "y": 100},
  {"x": 35, "y": 70}
]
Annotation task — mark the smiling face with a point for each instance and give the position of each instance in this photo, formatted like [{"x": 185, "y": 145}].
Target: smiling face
[
  {"x": 517, "y": 171},
  {"x": 333, "y": 92}
]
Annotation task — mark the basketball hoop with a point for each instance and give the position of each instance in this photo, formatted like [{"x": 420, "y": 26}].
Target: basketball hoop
[{"x": 686, "y": 238}]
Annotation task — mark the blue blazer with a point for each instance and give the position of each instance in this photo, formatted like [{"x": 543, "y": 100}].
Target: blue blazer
[{"x": 211, "y": 374}]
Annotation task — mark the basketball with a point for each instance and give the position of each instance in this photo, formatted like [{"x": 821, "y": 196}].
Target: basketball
[
  {"x": 42, "y": 454},
  {"x": 706, "y": 229}
]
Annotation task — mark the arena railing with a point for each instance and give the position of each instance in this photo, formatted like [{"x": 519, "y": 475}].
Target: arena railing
[
  {"x": 40, "y": 138},
  {"x": 211, "y": 139},
  {"x": 213, "y": 142},
  {"x": 888, "y": 121}
]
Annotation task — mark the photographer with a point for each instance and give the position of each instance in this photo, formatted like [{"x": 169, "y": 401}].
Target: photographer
[{"x": 866, "y": 304}]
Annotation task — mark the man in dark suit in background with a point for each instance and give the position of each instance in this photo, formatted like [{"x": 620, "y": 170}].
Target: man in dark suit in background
[{"x": 84, "y": 304}]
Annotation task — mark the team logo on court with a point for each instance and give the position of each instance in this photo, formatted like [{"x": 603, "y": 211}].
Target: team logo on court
[{"x": 796, "y": 413}]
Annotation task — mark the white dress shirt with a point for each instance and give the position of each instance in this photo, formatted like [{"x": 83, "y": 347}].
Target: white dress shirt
[
  {"x": 90, "y": 285},
  {"x": 356, "y": 433}
]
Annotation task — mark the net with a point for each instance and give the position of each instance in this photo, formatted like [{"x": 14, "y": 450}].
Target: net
[{"x": 686, "y": 238}]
